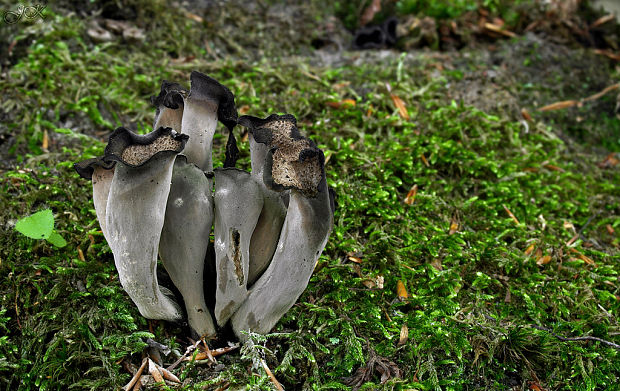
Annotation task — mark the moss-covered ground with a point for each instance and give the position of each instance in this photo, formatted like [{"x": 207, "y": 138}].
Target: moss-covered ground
[{"x": 468, "y": 245}]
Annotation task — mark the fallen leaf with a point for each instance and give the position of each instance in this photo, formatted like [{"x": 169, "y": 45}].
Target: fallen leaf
[
  {"x": 155, "y": 372},
  {"x": 553, "y": 167},
  {"x": 410, "y": 198},
  {"x": 610, "y": 161},
  {"x": 183, "y": 60},
  {"x": 46, "y": 141},
  {"x": 610, "y": 229},
  {"x": 343, "y": 104},
  {"x": 568, "y": 225},
  {"x": 454, "y": 226},
  {"x": 543, "y": 260},
  {"x": 243, "y": 110},
  {"x": 194, "y": 17},
  {"x": 339, "y": 86},
  {"x": 169, "y": 375},
  {"x": 401, "y": 291},
  {"x": 499, "y": 30},
  {"x": 529, "y": 249},
  {"x": 584, "y": 258},
  {"x": 369, "y": 13},
  {"x": 355, "y": 259},
  {"x": 526, "y": 115},
  {"x": 404, "y": 335},
  {"x": 402, "y": 109},
  {"x": 535, "y": 387},
  {"x": 602, "y": 20},
  {"x": 559, "y": 105}
]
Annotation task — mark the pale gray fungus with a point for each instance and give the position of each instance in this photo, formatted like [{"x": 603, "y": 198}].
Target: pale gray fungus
[
  {"x": 238, "y": 203},
  {"x": 185, "y": 239},
  {"x": 135, "y": 213},
  {"x": 158, "y": 194}
]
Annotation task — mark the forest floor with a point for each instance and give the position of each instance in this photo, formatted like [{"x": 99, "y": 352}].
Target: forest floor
[{"x": 475, "y": 164}]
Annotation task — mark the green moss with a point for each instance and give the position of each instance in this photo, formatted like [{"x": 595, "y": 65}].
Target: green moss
[{"x": 474, "y": 291}]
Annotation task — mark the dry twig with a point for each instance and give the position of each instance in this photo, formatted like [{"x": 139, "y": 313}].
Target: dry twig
[
  {"x": 570, "y": 339},
  {"x": 136, "y": 377}
]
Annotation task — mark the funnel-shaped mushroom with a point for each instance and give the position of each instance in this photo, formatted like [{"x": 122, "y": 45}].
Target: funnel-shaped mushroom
[
  {"x": 169, "y": 106},
  {"x": 135, "y": 213},
  {"x": 267, "y": 232},
  {"x": 238, "y": 202},
  {"x": 101, "y": 174},
  {"x": 293, "y": 162},
  {"x": 208, "y": 101},
  {"x": 185, "y": 239}
]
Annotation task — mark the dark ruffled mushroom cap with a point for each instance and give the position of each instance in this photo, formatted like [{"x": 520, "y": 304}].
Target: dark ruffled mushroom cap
[
  {"x": 134, "y": 150},
  {"x": 207, "y": 88},
  {"x": 86, "y": 168},
  {"x": 295, "y": 161},
  {"x": 170, "y": 95}
]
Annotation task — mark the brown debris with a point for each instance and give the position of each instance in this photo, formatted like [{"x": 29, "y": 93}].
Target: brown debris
[
  {"x": 410, "y": 198},
  {"x": 376, "y": 364},
  {"x": 610, "y": 161},
  {"x": 512, "y": 216},
  {"x": 399, "y": 103},
  {"x": 559, "y": 105},
  {"x": 404, "y": 335},
  {"x": 543, "y": 260},
  {"x": 275, "y": 381},
  {"x": 369, "y": 13},
  {"x": 499, "y": 30},
  {"x": 135, "y": 379},
  {"x": 401, "y": 291}
]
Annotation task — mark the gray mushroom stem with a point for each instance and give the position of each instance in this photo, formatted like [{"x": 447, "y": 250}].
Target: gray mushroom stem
[
  {"x": 293, "y": 162},
  {"x": 185, "y": 238},
  {"x": 208, "y": 101},
  {"x": 238, "y": 202},
  {"x": 267, "y": 232},
  {"x": 304, "y": 235},
  {"x": 135, "y": 213}
]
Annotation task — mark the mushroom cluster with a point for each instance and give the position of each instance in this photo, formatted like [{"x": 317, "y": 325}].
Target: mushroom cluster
[{"x": 158, "y": 195}]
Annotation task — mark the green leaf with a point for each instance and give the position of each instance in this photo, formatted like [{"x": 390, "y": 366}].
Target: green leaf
[
  {"x": 37, "y": 226},
  {"x": 56, "y": 239}
]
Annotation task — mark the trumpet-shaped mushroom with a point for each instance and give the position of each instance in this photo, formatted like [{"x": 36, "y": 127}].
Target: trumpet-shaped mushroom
[
  {"x": 135, "y": 213},
  {"x": 100, "y": 173},
  {"x": 293, "y": 162},
  {"x": 185, "y": 239},
  {"x": 169, "y": 106},
  {"x": 270, "y": 225},
  {"x": 208, "y": 101},
  {"x": 238, "y": 203},
  {"x": 267, "y": 232}
]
